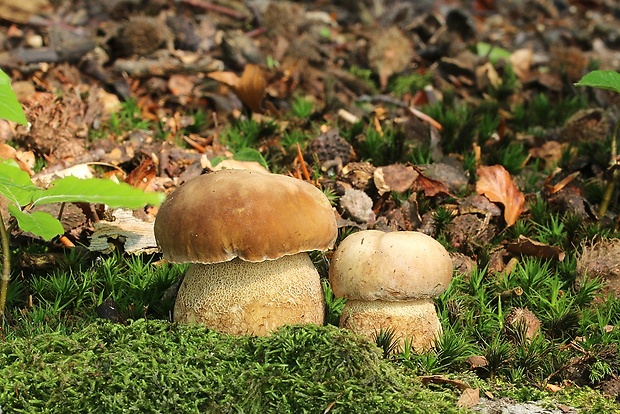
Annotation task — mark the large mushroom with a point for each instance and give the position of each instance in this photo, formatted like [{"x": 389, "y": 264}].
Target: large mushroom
[
  {"x": 389, "y": 281},
  {"x": 246, "y": 234}
]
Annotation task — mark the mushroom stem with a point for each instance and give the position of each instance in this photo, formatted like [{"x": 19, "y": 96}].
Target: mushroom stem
[
  {"x": 240, "y": 297},
  {"x": 413, "y": 320}
]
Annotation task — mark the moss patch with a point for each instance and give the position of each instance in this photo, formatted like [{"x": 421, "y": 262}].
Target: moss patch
[{"x": 154, "y": 366}]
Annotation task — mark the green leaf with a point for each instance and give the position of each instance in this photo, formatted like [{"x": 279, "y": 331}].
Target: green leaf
[
  {"x": 10, "y": 108},
  {"x": 38, "y": 223},
  {"x": 494, "y": 53},
  {"x": 97, "y": 190},
  {"x": 15, "y": 184},
  {"x": 602, "y": 79},
  {"x": 250, "y": 154}
]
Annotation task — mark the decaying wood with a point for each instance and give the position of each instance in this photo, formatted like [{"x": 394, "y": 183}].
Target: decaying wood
[{"x": 133, "y": 234}]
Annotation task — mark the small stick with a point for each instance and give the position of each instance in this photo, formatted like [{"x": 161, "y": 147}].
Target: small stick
[
  {"x": 421, "y": 115},
  {"x": 216, "y": 8},
  {"x": 64, "y": 240},
  {"x": 194, "y": 144},
  {"x": 302, "y": 163}
]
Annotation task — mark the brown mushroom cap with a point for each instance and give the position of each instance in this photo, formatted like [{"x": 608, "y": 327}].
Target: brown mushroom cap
[
  {"x": 373, "y": 265},
  {"x": 251, "y": 215}
]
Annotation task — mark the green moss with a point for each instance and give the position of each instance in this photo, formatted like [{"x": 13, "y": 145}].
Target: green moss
[{"x": 154, "y": 366}]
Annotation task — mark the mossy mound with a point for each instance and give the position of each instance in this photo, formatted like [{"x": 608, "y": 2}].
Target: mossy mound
[{"x": 154, "y": 366}]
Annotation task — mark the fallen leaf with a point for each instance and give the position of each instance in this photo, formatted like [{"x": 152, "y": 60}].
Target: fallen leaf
[
  {"x": 227, "y": 78},
  {"x": 553, "y": 388},
  {"x": 477, "y": 361},
  {"x": 396, "y": 177},
  {"x": 430, "y": 186},
  {"x": 180, "y": 85},
  {"x": 250, "y": 87},
  {"x": 143, "y": 174},
  {"x": 497, "y": 185},
  {"x": 529, "y": 247},
  {"x": 469, "y": 398},
  {"x": 521, "y": 61}
]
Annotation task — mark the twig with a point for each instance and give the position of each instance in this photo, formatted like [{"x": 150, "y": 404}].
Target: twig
[
  {"x": 6, "y": 267},
  {"x": 302, "y": 163},
  {"x": 611, "y": 184},
  {"x": 216, "y": 8}
]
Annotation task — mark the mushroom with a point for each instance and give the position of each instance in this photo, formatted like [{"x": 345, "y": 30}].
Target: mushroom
[
  {"x": 246, "y": 234},
  {"x": 389, "y": 281}
]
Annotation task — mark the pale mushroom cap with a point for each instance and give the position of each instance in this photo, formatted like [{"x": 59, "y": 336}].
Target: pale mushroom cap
[
  {"x": 373, "y": 265},
  {"x": 251, "y": 215}
]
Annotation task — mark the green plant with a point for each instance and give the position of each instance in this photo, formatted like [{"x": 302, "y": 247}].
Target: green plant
[
  {"x": 10, "y": 108},
  {"x": 387, "y": 341},
  {"x": 609, "y": 80},
  {"x": 302, "y": 107},
  {"x": 292, "y": 137},
  {"x": 23, "y": 196},
  {"x": 409, "y": 83},
  {"x": 333, "y": 305},
  {"x": 127, "y": 118}
]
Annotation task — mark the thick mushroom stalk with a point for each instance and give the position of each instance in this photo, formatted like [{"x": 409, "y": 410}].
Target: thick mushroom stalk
[
  {"x": 240, "y": 297},
  {"x": 246, "y": 234},
  {"x": 389, "y": 281}
]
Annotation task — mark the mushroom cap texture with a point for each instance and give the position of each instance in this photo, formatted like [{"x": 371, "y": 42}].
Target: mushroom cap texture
[
  {"x": 403, "y": 265},
  {"x": 247, "y": 214}
]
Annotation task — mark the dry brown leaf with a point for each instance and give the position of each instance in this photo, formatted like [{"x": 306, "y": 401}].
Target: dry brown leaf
[
  {"x": 469, "y": 398},
  {"x": 497, "y": 185},
  {"x": 180, "y": 85},
  {"x": 395, "y": 177},
  {"x": 227, "y": 78},
  {"x": 250, "y": 87},
  {"x": 521, "y": 61},
  {"x": 529, "y": 247},
  {"x": 430, "y": 186},
  {"x": 142, "y": 176}
]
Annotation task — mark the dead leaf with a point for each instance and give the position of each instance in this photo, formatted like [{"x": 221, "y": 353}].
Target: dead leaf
[
  {"x": 396, "y": 177},
  {"x": 521, "y": 61},
  {"x": 227, "y": 78},
  {"x": 477, "y": 361},
  {"x": 553, "y": 388},
  {"x": 469, "y": 398},
  {"x": 180, "y": 85},
  {"x": 250, "y": 87},
  {"x": 527, "y": 246},
  {"x": 430, "y": 186},
  {"x": 550, "y": 151},
  {"x": 142, "y": 175},
  {"x": 497, "y": 185}
]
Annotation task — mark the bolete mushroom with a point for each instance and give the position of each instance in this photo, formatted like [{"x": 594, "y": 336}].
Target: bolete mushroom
[
  {"x": 389, "y": 281},
  {"x": 246, "y": 234}
]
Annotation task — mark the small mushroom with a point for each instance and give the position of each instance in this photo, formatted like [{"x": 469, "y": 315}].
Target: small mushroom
[
  {"x": 389, "y": 281},
  {"x": 246, "y": 234}
]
